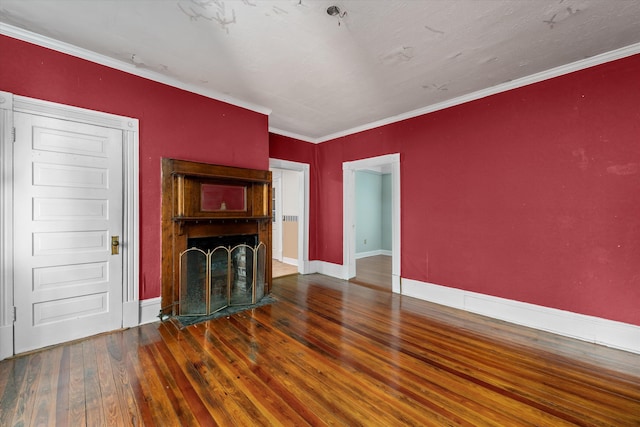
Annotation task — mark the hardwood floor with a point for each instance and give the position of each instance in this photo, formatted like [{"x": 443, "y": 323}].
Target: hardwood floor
[
  {"x": 327, "y": 352},
  {"x": 279, "y": 269},
  {"x": 374, "y": 272}
]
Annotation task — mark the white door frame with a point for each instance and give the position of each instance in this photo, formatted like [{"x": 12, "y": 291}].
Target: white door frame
[
  {"x": 349, "y": 208},
  {"x": 303, "y": 203},
  {"x": 130, "y": 245},
  {"x": 277, "y": 236}
]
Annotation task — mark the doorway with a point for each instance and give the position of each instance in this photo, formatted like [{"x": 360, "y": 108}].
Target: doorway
[
  {"x": 373, "y": 228},
  {"x": 293, "y": 219},
  {"x": 390, "y": 163},
  {"x": 69, "y": 249}
]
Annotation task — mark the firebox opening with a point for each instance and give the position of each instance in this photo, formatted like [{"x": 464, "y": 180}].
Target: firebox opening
[{"x": 221, "y": 271}]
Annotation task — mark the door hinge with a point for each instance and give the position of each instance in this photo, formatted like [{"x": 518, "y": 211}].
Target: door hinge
[
  {"x": 13, "y": 134},
  {"x": 15, "y": 314}
]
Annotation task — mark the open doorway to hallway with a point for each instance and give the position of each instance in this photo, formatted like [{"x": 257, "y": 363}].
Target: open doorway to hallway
[
  {"x": 290, "y": 217},
  {"x": 373, "y": 250},
  {"x": 361, "y": 224}
]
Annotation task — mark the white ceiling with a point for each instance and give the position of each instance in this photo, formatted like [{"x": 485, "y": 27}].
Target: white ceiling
[{"x": 322, "y": 75}]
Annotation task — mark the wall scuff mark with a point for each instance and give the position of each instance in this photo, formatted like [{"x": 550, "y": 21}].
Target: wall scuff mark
[
  {"x": 583, "y": 162},
  {"x": 628, "y": 169}
]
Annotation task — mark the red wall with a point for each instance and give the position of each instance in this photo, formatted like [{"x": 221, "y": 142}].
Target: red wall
[
  {"x": 531, "y": 195},
  {"x": 173, "y": 123}
]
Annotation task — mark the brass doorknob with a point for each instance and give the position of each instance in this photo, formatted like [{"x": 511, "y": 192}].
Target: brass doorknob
[{"x": 115, "y": 243}]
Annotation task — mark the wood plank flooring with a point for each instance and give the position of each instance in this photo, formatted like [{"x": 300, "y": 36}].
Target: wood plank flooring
[
  {"x": 279, "y": 269},
  {"x": 374, "y": 272},
  {"x": 328, "y": 352}
]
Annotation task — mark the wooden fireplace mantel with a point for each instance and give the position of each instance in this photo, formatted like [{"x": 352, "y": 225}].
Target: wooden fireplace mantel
[{"x": 200, "y": 200}]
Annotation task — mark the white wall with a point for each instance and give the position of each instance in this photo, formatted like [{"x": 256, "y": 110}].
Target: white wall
[{"x": 290, "y": 191}]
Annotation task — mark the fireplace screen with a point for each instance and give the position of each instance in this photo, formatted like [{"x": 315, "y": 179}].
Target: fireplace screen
[{"x": 213, "y": 279}]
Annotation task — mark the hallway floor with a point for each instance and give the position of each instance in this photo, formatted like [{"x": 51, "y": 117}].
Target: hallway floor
[
  {"x": 374, "y": 271},
  {"x": 280, "y": 269}
]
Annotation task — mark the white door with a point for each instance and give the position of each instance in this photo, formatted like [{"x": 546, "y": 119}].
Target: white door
[{"x": 67, "y": 206}]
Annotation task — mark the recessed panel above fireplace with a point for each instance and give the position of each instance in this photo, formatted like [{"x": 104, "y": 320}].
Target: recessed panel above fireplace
[{"x": 223, "y": 198}]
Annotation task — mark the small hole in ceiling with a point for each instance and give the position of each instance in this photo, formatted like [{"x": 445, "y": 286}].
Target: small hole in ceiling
[{"x": 333, "y": 10}]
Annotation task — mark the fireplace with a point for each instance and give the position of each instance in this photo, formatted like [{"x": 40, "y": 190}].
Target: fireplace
[{"x": 216, "y": 237}]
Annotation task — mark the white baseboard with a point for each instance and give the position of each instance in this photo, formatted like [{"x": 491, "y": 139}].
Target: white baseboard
[
  {"x": 605, "y": 332},
  {"x": 130, "y": 314},
  {"x": 149, "y": 310},
  {"x": 305, "y": 268},
  {"x": 373, "y": 253},
  {"x": 6, "y": 341},
  {"x": 290, "y": 261},
  {"x": 328, "y": 269}
]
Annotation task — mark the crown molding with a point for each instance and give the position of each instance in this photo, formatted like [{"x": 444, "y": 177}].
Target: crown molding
[
  {"x": 37, "y": 39},
  {"x": 293, "y": 135},
  {"x": 514, "y": 84},
  {"x": 78, "y": 52}
]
